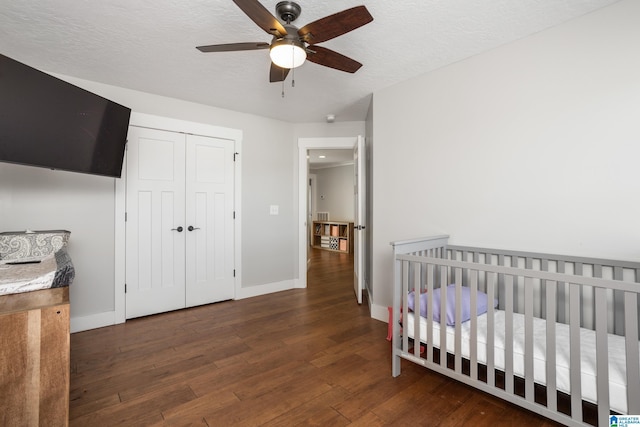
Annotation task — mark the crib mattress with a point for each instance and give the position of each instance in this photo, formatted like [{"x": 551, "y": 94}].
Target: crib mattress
[{"x": 617, "y": 363}]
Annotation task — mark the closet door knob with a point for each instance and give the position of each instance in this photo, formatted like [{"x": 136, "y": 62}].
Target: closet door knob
[
  {"x": 191, "y": 228},
  {"x": 179, "y": 229}
]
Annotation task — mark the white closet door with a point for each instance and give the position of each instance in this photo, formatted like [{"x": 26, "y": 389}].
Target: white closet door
[
  {"x": 360, "y": 218},
  {"x": 209, "y": 220},
  {"x": 155, "y": 227}
]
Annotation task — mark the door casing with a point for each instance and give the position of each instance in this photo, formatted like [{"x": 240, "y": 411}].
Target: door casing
[
  {"x": 173, "y": 125},
  {"x": 304, "y": 145}
]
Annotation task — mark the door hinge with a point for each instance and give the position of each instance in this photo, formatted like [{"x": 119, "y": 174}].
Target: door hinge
[
  {"x": 234, "y": 214},
  {"x": 234, "y": 156},
  {"x": 234, "y": 272},
  {"x": 125, "y": 288},
  {"x": 125, "y": 217}
]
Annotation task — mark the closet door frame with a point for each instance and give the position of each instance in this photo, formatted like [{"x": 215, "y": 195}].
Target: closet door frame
[{"x": 173, "y": 125}]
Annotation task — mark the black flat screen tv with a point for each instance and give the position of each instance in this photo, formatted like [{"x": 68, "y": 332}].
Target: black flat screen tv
[{"x": 47, "y": 122}]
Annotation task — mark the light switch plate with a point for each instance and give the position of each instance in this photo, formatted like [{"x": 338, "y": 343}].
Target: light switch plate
[{"x": 273, "y": 209}]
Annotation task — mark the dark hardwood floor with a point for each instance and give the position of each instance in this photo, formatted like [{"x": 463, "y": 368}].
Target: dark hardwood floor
[{"x": 301, "y": 357}]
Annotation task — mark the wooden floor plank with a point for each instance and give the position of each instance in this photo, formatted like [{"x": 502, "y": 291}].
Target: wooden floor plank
[
  {"x": 315, "y": 412},
  {"x": 300, "y": 357},
  {"x": 143, "y": 410}
]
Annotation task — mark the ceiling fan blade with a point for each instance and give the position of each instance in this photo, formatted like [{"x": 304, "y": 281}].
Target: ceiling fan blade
[
  {"x": 277, "y": 74},
  {"x": 261, "y": 16},
  {"x": 335, "y": 25},
  {"x": 323, "y": 56},
  {"x": 231, "y": 47}
]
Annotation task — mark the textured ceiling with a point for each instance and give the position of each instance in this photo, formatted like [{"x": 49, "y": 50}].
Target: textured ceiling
[{"x": 149, "y": 45}]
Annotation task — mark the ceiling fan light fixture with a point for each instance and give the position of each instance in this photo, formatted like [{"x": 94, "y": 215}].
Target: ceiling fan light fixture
[{"x": 287, "y": 53}]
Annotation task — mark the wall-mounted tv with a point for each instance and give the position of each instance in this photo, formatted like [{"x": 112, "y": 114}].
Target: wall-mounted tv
[{"x": 47, "y": 122}]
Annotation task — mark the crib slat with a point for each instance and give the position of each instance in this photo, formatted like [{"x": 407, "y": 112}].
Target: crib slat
[
  {"x": 501, "y": 282},
  {"x": 528, "y": 339},
  {"x": 443, "y": 310},
  {"x": 618, "y": 301},
  {"x": 544, "y": 266},
  {"x": 491, "y": 284},
  {"x": 602, "y": 356},
  {"x": 578, "y": 271},
  {"x": 458, "y": 318},
  {"x": 637, "y": 280},
  {"x": 431, "y": 273},
  {"x": 405, "y": 307},
  {"x": 562, "y": 292},
  {"x": 508, "y": 333},
  {"x": 552, "y": 396},
  {"x": 633, "y": 365},
  {"x": 516, "y": 289},
  {"x": 417, "y": 267},
  {"x": 574, "y": 348},
  {"x": 473, "y": 350}
]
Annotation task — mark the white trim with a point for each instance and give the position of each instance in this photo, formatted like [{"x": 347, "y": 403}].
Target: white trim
[
  {"x": 305, "y": 144},
  {"x": 174, "y": 125},
  {"x": 237, "y": 200},
  {"x": 93, "y": 321},
  {"x": 119, "y": 247},
  {"x": 268, "y": 288},
  {"x": 181, "y": 126},
  {"x": 379, "y": 312}
]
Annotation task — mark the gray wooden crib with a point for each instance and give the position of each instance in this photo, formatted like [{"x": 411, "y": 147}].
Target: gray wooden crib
[{"x": 557, "y": 335}]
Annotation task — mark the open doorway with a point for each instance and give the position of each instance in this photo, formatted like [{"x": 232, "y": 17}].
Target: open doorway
[
  {"x": 306, "y": 146},
  {"x": 330, "y": 192}
]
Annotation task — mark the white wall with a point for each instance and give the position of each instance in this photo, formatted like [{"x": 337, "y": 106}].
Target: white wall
[
  {"x": 531, "y": 146},
  {"x": 42, "y": 199},
  {"x": 335, "y": 192},
  {"x": 268, "y": 164},
  {"x": 368, "y": 262},
  {"x": 39, "y": 198}
]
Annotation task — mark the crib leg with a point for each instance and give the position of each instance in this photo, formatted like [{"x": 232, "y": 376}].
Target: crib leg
[
  {"x": 395, "y": 360},
  {"x": 395, "y": 365}
]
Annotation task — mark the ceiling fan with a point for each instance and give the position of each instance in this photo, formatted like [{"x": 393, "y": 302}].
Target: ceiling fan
[{"x": 290, "y": 46}]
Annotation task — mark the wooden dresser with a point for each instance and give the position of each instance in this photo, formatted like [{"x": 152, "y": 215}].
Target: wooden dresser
[{"x": 34, "y": 358}]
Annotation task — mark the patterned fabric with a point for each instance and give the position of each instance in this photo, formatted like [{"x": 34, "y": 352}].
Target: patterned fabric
[
  {"x": 65, "y": 273},
  {"x": 27, "y": 246}
]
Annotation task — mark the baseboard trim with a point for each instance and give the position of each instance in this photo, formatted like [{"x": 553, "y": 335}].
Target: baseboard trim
[
  {"x": 108, "y": 318},
  {"x": 267, "y": 288},
  {"x": 93, "y": 321},
  {"x": 379, "y": 312}
]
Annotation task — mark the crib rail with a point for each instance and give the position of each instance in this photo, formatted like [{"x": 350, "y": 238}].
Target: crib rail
[
  {"x": 582, "y": 293},
  {"x": 575, "y": 266}
]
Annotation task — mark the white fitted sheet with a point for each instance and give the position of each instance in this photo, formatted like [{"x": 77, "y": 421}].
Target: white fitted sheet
[{"x": 617, "y": 363}]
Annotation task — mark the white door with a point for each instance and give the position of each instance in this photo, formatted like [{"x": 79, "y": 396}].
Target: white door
[
  {"x": 179, "y": 228},
  {"x": 360, "y": 218},
  {"x": 209, "y": 220},
  {"x": 155, "y": 267}
]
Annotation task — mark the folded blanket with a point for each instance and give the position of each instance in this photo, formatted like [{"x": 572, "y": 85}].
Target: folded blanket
[{"x": 53, "y": 271}]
